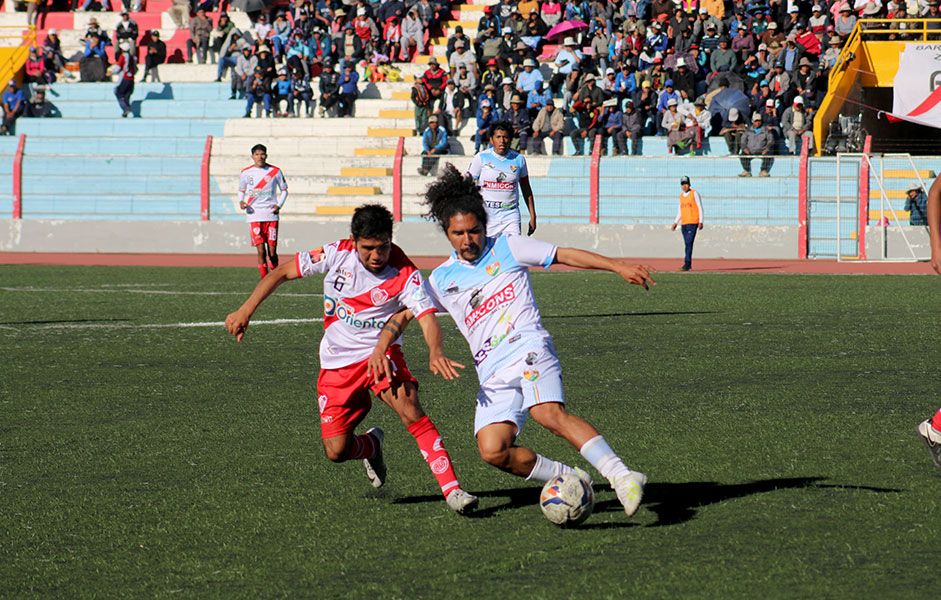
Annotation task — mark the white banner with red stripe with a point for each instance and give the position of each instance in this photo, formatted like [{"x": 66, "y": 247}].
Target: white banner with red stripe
[{"x": 917, "y": 91}]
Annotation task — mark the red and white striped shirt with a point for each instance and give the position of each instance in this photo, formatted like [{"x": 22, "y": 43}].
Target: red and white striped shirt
[{"x": 258, "y": 186}]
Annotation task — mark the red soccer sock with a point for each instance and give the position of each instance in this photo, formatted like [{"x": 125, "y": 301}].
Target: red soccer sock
[
  {"x": 263, "y": 270},
  {"x": 364, "y": 446},
  {"x": 438, "y": 459},
  {"x": 936, "y": 421}
]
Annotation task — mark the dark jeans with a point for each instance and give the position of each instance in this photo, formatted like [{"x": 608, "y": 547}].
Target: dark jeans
[
  {"x": 689, "y": 235},
  {"x": 123, "y": 93},
  {"x": 537, "y": 146},
  {"x": 766, "y": 163},
  {"x": 579, "y": 141}
]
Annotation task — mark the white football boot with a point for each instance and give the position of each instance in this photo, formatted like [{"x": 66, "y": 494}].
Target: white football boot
[
  {"x": 461, "y": 502},
  {"x": 630, "y": 490},
  {"x": 376, "y": 466},
  {"x": 932, "y": 439}
]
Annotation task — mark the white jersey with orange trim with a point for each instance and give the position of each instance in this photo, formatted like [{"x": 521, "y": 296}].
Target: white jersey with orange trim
[
  {"x": 491, "y": 300},
  {"x": 357, "y": 302},
  {"x": 258, "y": 187}
]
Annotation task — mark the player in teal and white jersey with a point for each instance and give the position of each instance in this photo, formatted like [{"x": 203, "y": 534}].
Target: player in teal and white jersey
[
  {"x": 485, "y": 288},
  {"x": 500, "y": 173}
]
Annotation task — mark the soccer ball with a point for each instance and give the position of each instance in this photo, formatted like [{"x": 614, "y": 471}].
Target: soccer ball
[{"x": 567, "y": 500}]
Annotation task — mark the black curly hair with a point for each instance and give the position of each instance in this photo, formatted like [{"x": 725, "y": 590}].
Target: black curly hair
[{"x": 451, "y": 194}]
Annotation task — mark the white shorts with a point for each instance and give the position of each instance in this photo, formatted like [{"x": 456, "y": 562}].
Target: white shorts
[
  {"x": 506, "y": 228},
  {"x": 535, "y": 378}
]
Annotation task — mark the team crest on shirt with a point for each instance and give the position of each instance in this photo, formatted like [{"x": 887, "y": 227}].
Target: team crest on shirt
[
  {"x": 501, "y": 176},
  {"x": 531, "y": 375},
  {"x": 493, "y": 268},
  {"x": 378, "y": 296},
  {"x": 513, "y": 168},
  {"x": 475, "y": 298}
]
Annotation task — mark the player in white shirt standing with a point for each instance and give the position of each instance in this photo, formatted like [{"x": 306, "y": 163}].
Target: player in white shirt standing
[
  {"x": 485, "y": 287},
  {"x": 367, "y": 280},
  {"x": 259, "y": 198},
  {"x": 500, "y": 173}
]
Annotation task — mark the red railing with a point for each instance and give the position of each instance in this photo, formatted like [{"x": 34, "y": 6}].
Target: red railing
[
  {"x": 863, "y": 200},
  {"x": 397, "y": 181},
  {"x": 594, "y": 180},
  {"x": 802, "y": 182},
  {"x": 204, "y": 181},
  {"x": 18, "y": 178}
]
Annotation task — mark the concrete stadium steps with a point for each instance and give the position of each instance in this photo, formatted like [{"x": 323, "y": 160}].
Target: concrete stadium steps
[
  {"x": 119, "y": 128},
  {"x": 361, "y": 126},
  {"x": 71, "y": 166},
  {"x": 179, "y": 109},
  {"x": 117, "y": 207},
  {"x": 205, "y": 91},
  {"x": 38, "y": 181},
  {"x": 296, "y": 165}
]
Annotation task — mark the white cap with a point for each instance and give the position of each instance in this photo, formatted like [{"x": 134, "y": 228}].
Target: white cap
[
  {"x": 798, "y": 100},
  {"x": 733, "y": 113},
  {"x": 506, "y": 81},
  {"x": 53, "y": 32},
  {"x": 816, "y": 7},
  {"x": 672, "y": 102},
  {"x": 507, "y": 31},
  {"x": 125, "y": 46},
  {"x": 769, "y": 102},
  {"x": 569, "y": 41},
  {"x": 681, "y": 62},
  {"x": 610, "y": 102},
  {"x": 360, "y": 11},
  {"x": 529, "y": 63},
  {"x": 609, "y": 71},
  {"x": 703, "y": 11}
]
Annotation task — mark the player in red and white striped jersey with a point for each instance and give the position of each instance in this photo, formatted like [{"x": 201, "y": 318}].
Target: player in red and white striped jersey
[
  {"x": 259, "y": 198},
  {"x": 367, "y": 281}
]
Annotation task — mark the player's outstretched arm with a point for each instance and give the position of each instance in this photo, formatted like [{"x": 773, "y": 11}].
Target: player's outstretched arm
[
  {"x": 437, "y": 361},
  {"x": 378, "y": 365},
  {"x": 584, "y": 259},
  {"x": 237, "y": 322},
  {"x": 934, "y": 223}
]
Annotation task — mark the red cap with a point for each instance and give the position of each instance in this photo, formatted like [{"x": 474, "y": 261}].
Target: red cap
[{"x": 492, "y": 61}]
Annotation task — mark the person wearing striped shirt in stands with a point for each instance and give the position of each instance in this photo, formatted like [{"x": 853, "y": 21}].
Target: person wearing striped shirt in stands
[
  {"x": 258, "y": 185},
  {"x": 689, "y": 216}
]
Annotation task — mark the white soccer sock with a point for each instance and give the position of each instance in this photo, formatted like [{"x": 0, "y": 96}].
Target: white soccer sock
[
  {"x": 602, "y": 457},
  {"x": 546, "y": 469}
]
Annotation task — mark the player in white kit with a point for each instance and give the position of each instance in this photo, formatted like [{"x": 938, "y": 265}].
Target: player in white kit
[
  {"x": 259, "y": 198},
  {"x": 367, "y": 280},
  {"x": 485, "y": 287},
  {"x": 500, "y": 173}
]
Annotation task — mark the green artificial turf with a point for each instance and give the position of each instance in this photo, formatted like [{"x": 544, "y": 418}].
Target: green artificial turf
[{"x": 774, "y": 416}]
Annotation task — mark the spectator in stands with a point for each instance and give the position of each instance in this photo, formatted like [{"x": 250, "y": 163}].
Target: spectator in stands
[
  {"x": 797, "y": 126},
  {"x": 434, "y": 143},
  {"x": 262, "y": 29},
  {"x": 485, "y": 119},
  {"x": 125, "y": 67},
  {"x": 538, "y": 98},
  {"x": 589, "y": 90},
  {"x": 179, "y": 11},
  {"x": 130, "y": 5},
  {"x": 219, "y": 42},
  {"x": 40, "y": 108},
  {"x": 723, "y": 58},
  {"x": 329, "y": 89},
  {"x": 200, "y": 30},
  {"x": 456, "y": 38},
  {"x": 281, "y": 92},
  {"x": 266, "y": 63},
  {"x": 460, "y": 56},
  {"x": 518, "y": 118},
  {"x": 757, "y": 141},
  {"x": 844, "y": 24},
  {"x": 126, "y": 30},
  {"x": 828, "y": 58},
  {"x": 435, "y": 79},
  {"x": 467, "y": 82},
  {"x": 732, "y": 130},
  {"x": 421, "y": 99},
  {"x": 453, "y": 105},
  {"x": 702, "y": 116},
  {"x": 672, "y": 118},
  {"x": 13, "y": 106},
  {"x": 550, "y": 124},
  {"x": 916, "y": 203},
  {"x": 350, "y": 47},
  {"x": 646, "y": 103},
  {"x": 229, "y": 59},
  {"x": 243, "y": 73},
  {"x": 504, "y": 95},
  {"x": 412, "y": 35},
  {"x": 301, "y": 91},
  {"x": 527, "y": 79},
  {"x": 52, "y": 53},
  {"x": 36, "y": 68},
  {"x": 349, "y": 91},
  {"x": 156, "y": 56},
  {"x": 566, "y": 62},
  {"x": 94, "y": 62},
  {"x": 612, "y": 128},
  {"x": 258, "y": 94},
  {"x": 632, "y": 127},
  {"x": 588, "y": 119},
  {"x": 280, "y": 35}
]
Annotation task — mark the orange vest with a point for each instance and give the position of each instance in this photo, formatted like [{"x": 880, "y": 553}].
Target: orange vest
[{"x": 689, "y": 212}]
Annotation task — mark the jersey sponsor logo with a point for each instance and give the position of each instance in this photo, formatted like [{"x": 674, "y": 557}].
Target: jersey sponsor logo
[
  {"x": 378, "y": 296},
  {"x": 530, "y": 375},
  {"x": 491, "y": 344},
  {"x": 507, "y": 294},
  {"x": 333, "y": 307},
  {"x": 493, "y": 268}
]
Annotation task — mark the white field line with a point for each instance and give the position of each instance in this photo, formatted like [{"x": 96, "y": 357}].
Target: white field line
[
  {"x": 188, "y": 325},
  {"x": 146, "y": 292}
]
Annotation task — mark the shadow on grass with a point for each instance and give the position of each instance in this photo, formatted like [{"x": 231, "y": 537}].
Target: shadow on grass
[
  {"x": 655, "y": 313},
  {"x": 673, "y": 503},
  {"x": 676, "y": 503}
]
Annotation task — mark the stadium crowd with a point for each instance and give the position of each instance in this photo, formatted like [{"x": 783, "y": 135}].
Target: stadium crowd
[{"x": 752, "y": 71}]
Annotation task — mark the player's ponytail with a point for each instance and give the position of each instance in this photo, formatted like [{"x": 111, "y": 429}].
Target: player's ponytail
[{"x": 453, "y": 193}]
